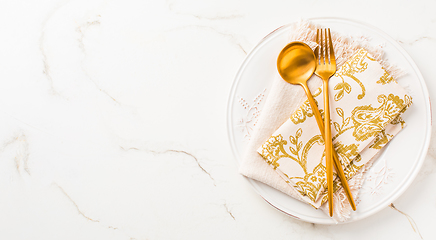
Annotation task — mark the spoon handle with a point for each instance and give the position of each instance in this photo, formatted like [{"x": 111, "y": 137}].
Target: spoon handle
[{"x": 315, "y": 109}]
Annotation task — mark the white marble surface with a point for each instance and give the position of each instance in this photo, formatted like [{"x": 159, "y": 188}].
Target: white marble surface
[{"x": 112, "y": 119}]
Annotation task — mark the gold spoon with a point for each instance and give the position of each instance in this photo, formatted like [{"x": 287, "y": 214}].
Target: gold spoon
[{"x": 296, "y": 64}]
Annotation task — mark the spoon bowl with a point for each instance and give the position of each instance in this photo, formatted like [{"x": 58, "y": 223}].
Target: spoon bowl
[{"x": 296, "y": 63}]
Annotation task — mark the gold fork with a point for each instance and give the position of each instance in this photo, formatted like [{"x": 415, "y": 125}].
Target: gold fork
[{"x": 326, "y": 67}]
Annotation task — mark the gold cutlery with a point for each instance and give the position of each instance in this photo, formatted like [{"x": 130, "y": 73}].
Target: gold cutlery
[{"x": 296, "y": 63}]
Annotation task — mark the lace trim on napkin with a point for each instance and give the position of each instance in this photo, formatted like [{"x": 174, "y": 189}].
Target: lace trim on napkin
[{"x": 345, "y": 46}]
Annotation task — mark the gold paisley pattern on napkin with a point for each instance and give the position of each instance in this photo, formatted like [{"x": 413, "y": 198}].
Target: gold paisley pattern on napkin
[
  {"x": 354, "y": 65},
  {"x": 365, "y": 113},
  {"x": 369, "y": 121}
]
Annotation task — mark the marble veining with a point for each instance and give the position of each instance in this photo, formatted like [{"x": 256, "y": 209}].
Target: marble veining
[
  {"x": 409, "y": 218},
  {"x": 232, "y": 37},
  {"x": 431, "y": 39},
  {"x": 81, "y": 213},
  {"x": 46, "y": 67},
  {"x": 77, "y": 207},
  {"x": 228, "y": 210},
  {"x": 46, "y": 70},
  {"x": 21, "y": 146},
  {"x": 82, "y": 29},
  {"x": 169, "y": 151}
]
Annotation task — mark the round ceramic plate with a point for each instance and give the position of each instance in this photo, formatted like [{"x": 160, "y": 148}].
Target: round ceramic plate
[{"x": 395, "y": 168}]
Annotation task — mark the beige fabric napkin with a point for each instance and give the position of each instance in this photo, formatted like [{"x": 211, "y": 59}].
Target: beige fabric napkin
[
  {"x": 283, "y": 99},
  {"x": 366, "y": 105}
]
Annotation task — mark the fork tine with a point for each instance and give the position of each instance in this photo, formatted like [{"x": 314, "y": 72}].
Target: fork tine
[
  {"x": 331, "y": 51},
  {"x": 321, "y": 49},
  {"x": 326, "y": 54},
  {"x": 318, "y": 47}
]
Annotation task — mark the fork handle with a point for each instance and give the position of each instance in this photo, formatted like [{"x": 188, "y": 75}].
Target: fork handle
[
  {"x": 328, "y": 146},
  {"x": 333, "y": 156},
  {"x": 337, "y": 163}
]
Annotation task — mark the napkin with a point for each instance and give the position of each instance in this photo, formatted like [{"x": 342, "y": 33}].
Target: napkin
[
  {"x": 283, "y": 99},
  {"x": 366, "y": 106}
]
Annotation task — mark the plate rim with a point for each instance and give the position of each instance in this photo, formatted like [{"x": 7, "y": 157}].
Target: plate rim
[{"x": 424, "y": 148}]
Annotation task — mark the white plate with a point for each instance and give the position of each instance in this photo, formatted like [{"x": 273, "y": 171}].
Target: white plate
[{"x": 401, "y": 159}]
